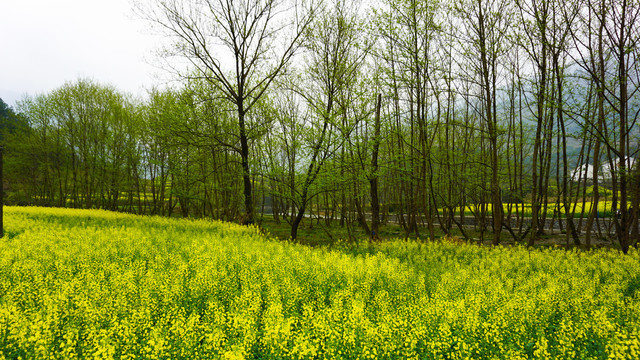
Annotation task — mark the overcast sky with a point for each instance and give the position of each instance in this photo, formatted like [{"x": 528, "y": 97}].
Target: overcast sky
[{"x": 45, "y": 43}]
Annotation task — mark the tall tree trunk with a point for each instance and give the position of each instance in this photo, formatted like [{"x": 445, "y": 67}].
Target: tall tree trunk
[
  {"x": 489, "y": 81},
  {"x": 248, "y": 217},
  {"x": 622, "y": 228},
  {"x": 600, "y": 71},
  {"x": 571, "y": 228},
  {"x": 536, "y": 175},
  {"x": 373, "y": 180},
  {"x": 635, "y": 202}
]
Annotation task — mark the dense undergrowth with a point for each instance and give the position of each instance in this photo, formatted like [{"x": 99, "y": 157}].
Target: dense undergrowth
[{"x": 95, "y": 284}]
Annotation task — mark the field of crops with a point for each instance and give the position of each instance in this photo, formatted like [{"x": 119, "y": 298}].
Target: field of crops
[
  {"x": 581, "y": 208},
  {"x": 94, "y": 284}
]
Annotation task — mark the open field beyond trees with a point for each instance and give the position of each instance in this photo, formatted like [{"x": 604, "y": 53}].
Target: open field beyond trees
[{"x": 97, "y": 284}]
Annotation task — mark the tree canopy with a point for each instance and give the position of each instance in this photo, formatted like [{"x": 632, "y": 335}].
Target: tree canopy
[{"x": 429, "y": 116}]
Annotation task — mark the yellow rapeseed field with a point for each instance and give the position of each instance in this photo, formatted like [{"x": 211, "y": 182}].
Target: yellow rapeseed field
[{"x": 91, "y": 284}]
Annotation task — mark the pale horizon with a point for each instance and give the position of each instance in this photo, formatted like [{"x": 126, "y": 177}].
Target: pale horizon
[{"x": 47, "y": 44}]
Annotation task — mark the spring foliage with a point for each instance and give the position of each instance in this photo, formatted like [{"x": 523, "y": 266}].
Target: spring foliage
[{"x": 96, "y": 284}]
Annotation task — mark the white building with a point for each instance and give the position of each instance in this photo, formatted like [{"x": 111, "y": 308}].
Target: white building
[
  {"x": 582, "y": 172},
  {"x": 585, "y": 171},
  {"x": 607, "y": 172}
]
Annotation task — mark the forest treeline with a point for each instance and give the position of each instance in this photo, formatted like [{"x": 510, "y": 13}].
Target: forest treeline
[{"x": 400, "y": 110}]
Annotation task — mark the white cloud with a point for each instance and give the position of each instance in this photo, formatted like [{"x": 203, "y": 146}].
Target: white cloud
[{"x": 47, "y": 43}]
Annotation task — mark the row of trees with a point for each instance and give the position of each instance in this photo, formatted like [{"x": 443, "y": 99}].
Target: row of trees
[{"x": 404, "y": 110}]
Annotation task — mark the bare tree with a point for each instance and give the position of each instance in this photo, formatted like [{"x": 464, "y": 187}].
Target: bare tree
[
  {"x": 334, "y": 64},
  {"x": 238, "y": 46},
  {"x": 607, "y": 51},
  {"x": 486, "y": 24}
]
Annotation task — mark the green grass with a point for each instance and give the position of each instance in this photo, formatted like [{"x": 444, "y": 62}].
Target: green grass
[
  {"x": 312, "y": 233},
  {"x": 95, "y": 284}
]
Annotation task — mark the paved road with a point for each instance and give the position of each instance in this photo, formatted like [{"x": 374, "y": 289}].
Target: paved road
[{"x": 471, "y": 222}]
